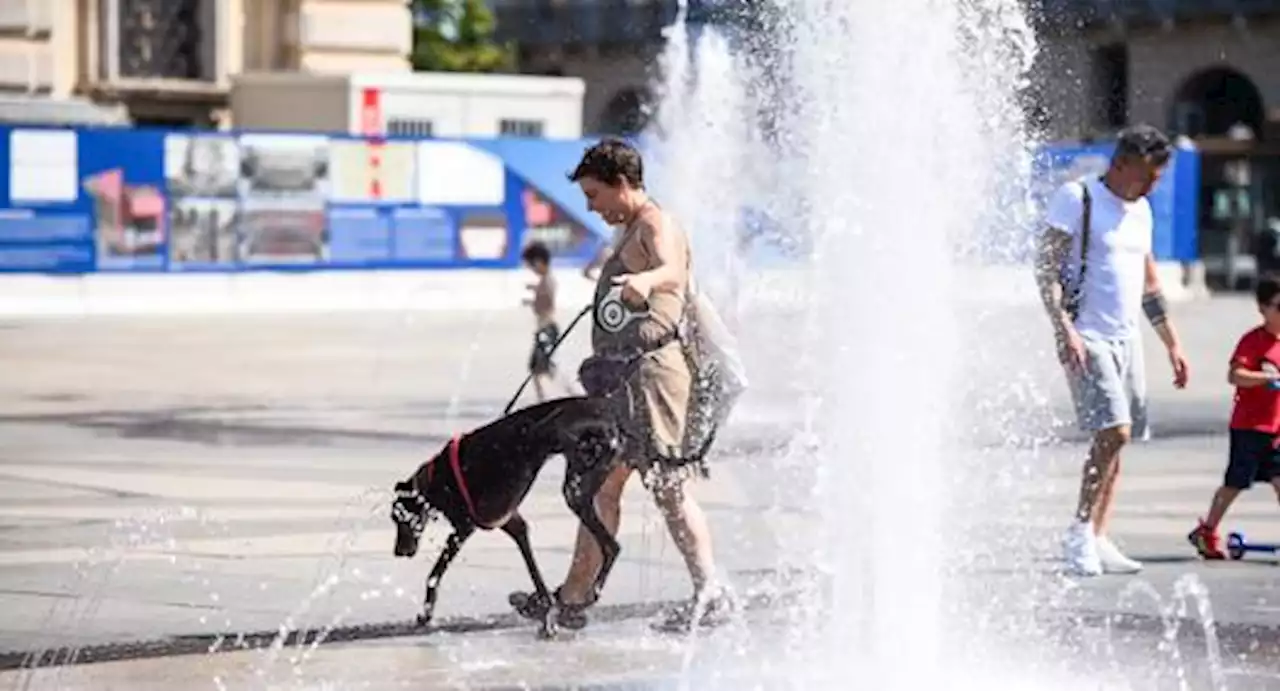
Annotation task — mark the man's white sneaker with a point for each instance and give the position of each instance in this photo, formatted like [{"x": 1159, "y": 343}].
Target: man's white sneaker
[
  {"x": 1113, "y": 560},
  {"x": 1080, "y": 548}
]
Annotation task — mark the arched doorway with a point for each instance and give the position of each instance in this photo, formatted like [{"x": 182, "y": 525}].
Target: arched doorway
[
  {"x": 1223, "y": 108},
  {"x": 627, "y": 112},
  {"x": 1210, "y": 102}
]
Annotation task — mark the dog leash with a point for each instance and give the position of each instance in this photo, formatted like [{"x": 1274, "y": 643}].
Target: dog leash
[
  {"x": 554, "y": 346},
  {"x": 696, "y": 456}
]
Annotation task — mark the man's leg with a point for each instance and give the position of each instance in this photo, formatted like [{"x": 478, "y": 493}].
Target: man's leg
[
  {"x": 1103, "y": 398},
  {"x": 1127, "y": 356},
  {"x": 587, "y": 558},
  {"x": 1131, "y": 368},
  {"x": 1104, "y": 465}
]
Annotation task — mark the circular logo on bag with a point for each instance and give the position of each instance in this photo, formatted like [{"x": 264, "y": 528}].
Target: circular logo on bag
[{"x": 612, "y": 314}]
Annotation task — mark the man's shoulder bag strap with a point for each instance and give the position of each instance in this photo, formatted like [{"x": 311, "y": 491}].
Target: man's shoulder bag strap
[{"x": 1077, "y": 292}]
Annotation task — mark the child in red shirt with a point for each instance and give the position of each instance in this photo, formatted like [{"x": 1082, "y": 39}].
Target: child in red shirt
[{"x": 1255, "y": 418}]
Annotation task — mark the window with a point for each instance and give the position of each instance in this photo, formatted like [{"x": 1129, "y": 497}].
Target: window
[
  {"x": 1111, "y": 85},
  {"x": 409, "y": 127},
  {"x": 520, "y": 128},
  {"x": 171, "y": 39}
]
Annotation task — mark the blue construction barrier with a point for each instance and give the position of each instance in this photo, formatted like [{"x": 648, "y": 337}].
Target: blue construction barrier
[
  {"x": 85, "y": 200},
  {"x": 143, "y": 200}
]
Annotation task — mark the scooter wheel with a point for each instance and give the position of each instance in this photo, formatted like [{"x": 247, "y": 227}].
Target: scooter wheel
[{"x": 1235, "y": 546}]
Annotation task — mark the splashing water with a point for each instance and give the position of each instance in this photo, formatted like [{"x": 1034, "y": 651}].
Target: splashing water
[
  {"x": 1174, "y": 613},
  {"x": 704, "y": 150},
  {"x": 889, "y": 139},
  {"x": 911, "y": 130}
]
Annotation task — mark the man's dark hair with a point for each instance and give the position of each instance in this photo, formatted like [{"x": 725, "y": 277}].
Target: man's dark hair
[
  {"x": 1144, "y": 142},
  {"x": 611, "y": 161},
  {"x": 536, "y": 251},
  {"x": 1266, "y": 290}
]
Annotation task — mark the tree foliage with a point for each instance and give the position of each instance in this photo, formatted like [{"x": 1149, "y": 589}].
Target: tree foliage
[{"x": 456, "y": 36}]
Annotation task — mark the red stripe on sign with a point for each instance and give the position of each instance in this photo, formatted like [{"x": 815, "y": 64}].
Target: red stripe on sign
[
  {"x": 375, "y": 169},
  {"x": 371, "y": 112},
  {"x": 371, "y": 127}
]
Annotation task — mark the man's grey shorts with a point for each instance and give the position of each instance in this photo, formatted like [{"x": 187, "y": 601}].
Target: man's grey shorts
[{"x": 1112, "y": 391}]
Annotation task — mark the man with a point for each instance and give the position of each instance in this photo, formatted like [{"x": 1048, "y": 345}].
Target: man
[
  {"x": 650, "y": 264},
  {"x": 1107, "y": 221}
]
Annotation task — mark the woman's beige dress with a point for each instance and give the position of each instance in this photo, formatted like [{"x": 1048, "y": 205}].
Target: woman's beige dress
[{"x": 660, "y": 386}]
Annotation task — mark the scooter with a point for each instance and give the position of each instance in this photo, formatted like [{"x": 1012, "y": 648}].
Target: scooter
[{"x": 1237, "y": 546}]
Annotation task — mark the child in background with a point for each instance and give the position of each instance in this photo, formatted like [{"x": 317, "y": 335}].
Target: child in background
[
  {"x": 1255, "y": 418},
  {"x": 537, "y": 257}
]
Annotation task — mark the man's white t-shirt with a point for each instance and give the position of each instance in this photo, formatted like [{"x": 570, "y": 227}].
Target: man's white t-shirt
[{"x": 1119, "y": 242}]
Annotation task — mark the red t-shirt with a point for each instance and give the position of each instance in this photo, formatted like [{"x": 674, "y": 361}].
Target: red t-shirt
[{"x": 1257, "y": 407}]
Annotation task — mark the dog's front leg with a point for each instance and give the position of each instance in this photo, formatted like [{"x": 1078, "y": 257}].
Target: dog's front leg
[
  {"x": 451, "y": 548},
  {"x": 518, "y": 529}
]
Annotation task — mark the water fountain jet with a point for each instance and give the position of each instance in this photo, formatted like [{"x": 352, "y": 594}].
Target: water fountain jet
[{"x": 890, "y": 140}]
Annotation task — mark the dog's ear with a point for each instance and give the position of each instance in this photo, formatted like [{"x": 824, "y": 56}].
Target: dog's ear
[{"x": 404, "y": 486}]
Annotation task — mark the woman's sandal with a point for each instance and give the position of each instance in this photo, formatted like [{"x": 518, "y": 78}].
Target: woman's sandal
[
  {"x": 718, "y": 610},
  {"x": 530, "y": 606}
]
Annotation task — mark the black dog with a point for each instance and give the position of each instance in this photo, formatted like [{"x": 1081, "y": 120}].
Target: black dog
[{"x": 479, "y": 480}]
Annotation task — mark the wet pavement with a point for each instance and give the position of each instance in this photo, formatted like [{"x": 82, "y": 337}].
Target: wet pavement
[{"x": 220, "y": 482}]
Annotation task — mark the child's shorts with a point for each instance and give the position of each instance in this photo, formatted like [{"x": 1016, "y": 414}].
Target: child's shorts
[
  {"x": 1253, "y": 458},
  {"x": 544, "y": 342}
]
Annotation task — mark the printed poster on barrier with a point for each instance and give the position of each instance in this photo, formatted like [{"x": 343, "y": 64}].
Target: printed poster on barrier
[
  {"x": 84, "y": 200},
  {"x": 371, "y": 171},
  {"x": 202, "y": 176},
  {"x": 424, "y": 235},
  {"x": 129, "y": 221},
  {"x": 43, "y": 227},
  {"x": 283, "y": 191},
  {"x": 370, "y": 180},
  {"x": 464, "y": 187},
  {"x": 122, "y": 179},
  {"x": 401, "y": 236}
]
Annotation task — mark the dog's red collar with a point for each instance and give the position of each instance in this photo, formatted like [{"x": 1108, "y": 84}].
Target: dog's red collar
[{"x": 455, "y": 462}]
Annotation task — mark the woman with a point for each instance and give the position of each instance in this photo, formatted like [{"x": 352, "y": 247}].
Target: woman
[{"x": 649, "y": 269}]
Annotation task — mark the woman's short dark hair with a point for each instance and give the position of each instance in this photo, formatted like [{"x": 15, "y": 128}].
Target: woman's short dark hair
[{"x": 611, "y": 161}]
